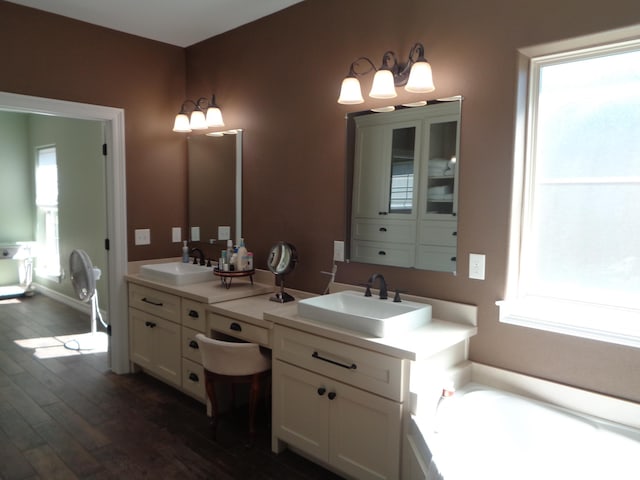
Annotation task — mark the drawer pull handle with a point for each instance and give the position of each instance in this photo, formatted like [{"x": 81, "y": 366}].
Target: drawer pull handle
[
  {"x": 152, "y": 302},
  {"x": 235, "y": 327},
  {"x": 193, "y": 314},
  {"x": 333, "y": 362},
  {"x": 331, "y": 395},
  {"x": 455, "y": 234},
  {"x": 382, "y": 229},
  {"x": 322, "y": 391},
  {"x": 453, "y": 259},
  {"x": 193, "y": 377},
  {"x": 382, "y": 213},
  {"x": 193, "y": 344},
  {"x": 382, "y": 252},
  {"x": 150, "y": 324}
]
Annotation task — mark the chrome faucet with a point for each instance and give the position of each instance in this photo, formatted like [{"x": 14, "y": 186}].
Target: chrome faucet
[
  {"x": 383, "y": 284},
  {"x": 200, "y": 254}
]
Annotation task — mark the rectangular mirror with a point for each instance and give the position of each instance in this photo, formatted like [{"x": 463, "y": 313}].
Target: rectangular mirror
[
  {"x": 403, "y": 178},
  {"x": 215, "y": 186}
]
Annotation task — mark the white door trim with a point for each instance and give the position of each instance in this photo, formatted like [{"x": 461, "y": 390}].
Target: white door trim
[{"x": 116, "y": 204}]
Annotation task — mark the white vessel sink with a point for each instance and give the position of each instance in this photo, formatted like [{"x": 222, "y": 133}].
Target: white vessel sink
[
  {"x": 368, "y": 315},
  {"x": 176, "y": 273}
]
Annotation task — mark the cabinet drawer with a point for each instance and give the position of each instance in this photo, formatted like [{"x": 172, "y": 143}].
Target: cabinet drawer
[
  {"x": 190, "y": 347},
  {"x": 381, "y": 253},
  {"x": 238, "y": 329},
  {"x": 436, "y": 258},
  {"x": 438, "y": 233},
  {"x": 155, "y": 302},
  {"x": 400, "y": 231},
  {"x": 355, "y": 366},
  {"x": 193, "y": 379},
  {"x": 194, "y": 315}
]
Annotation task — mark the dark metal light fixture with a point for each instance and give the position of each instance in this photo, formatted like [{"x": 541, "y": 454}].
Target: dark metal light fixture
[
  {"x": 415, "y": 75},
  {"x": 204, "y": 114}
]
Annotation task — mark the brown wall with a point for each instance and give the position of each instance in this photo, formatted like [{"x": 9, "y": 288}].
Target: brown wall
[
  {"x": 278, "y": 78},
  {"x": 51, "y": 56}
]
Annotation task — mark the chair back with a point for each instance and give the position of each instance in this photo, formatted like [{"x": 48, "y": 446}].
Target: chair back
[{"x": 232, "y": 358}]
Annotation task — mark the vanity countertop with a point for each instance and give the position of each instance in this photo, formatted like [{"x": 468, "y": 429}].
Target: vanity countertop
[{"x": 213, "y": 291}]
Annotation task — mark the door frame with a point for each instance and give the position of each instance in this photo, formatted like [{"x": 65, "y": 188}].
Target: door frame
[{"x": 116, "y": 205}]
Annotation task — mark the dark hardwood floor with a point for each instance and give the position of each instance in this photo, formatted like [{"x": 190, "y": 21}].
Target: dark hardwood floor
[{"x": 68, "y": 417}]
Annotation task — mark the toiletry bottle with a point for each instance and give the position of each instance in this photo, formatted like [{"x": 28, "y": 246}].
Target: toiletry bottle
[
  {"x": 234, "y": 261},
  {"x": 242, "y": 256},
  {"x": 185, "y": 252},
  {"x": 229, "y": 251},
  {"x": 250, "y": 261}
]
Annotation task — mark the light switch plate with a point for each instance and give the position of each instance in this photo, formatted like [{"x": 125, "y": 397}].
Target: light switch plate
[
  {"x": 338, "y": 251},
  {"x": 195, "y": 234},
  {"x": 143, "y": 236},
  {"x": 176, "y": 234},
  {"x": 224, "y": 233},
  {"x": 476, "y": 266}
]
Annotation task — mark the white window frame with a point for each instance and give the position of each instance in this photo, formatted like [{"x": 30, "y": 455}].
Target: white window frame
[{"x": 619, "y": 325}]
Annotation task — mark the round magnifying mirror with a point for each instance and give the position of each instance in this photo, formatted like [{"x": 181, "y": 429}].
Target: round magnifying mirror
[{"x": 282, "y": 259}]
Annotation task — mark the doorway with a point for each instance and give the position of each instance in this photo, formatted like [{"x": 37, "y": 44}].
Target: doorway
[{"x": 113, "y": 119}]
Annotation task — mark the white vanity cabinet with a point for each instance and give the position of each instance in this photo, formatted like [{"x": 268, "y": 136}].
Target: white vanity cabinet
[
  {"x": 193, "y": 320},
  {"x": 338, "y": 403},
  {"x": 154, "y": 323}
]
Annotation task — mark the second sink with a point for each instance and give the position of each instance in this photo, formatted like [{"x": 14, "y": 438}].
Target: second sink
[
  {"x": 176, "y": 273},
  {"x": 368, "y": 315}
]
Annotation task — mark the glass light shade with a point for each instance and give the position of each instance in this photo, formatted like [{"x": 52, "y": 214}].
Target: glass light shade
[
  {"x": 214, "y": 117},
  {"x": 383, "y": 85},
  {"x": 420, "y": 78},
  {"x": 181, "y": 123},
  {"x": 350, "y": 93},
  {"x": 198, "y": 121}
]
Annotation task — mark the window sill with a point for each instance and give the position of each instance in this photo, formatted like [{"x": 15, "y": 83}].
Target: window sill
[{"x": 596, "y": 322}]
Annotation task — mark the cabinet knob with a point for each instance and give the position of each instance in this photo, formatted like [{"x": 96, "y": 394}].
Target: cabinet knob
[
  {"x": 193, "y": 344},
  {"x": 331, "y": 395},
  {"x": 235, "y": 326},
  {"x": 321, "y": 391},
  {"x": 382, "y": 252},
  {"x": 149, "y": 324},
  {"x": 193, "y": 377},
  {"x": 453, "y": 259},
  {"x": 383, "y": 229},
  {"x": 455, "y": 234},
  {"x": 193, "y": 314}
]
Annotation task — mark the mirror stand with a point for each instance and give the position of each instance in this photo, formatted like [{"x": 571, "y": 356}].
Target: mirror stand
[
  {"x": 281, "y": 296},
  {"x": 282, "y": 259}
]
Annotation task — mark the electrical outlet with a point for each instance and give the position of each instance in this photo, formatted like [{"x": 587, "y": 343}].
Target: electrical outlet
[
  {"x": 476, "y": 266},
  {"x": 176, "y": 234},
  {"x": 338, "y": 251},
  {"x": 143, "y": 236},
  {"x": 224, "y": 232}
]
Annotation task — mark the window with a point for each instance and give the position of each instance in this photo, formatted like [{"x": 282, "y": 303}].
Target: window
[
  {"x": 574, "y": 264},
  {"x": 48, "y": 258}
]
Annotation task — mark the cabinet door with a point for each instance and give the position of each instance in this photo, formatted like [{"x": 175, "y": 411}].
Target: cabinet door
[
  {"x": 385, "y": 176},
  {"x": 300, "y": 409},
  {"x": 365, "y": 432},
  {"x": 166, "y": 351},
  {"x": 141, "y": 341}
]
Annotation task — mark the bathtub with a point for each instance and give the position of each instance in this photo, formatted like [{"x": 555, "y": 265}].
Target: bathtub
[{"x": 486, "y": 433}]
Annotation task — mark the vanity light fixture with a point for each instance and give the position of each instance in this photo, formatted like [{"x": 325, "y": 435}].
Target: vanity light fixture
[
  {"x": 204, "y": 114},
  {"x": 415, "y": 75}
]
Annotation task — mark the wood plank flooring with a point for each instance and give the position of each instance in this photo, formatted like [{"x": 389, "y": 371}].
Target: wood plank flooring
[{"x": 69, "y": 417}]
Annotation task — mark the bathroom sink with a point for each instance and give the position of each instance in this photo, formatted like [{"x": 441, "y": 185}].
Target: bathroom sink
[
  {"x": 368, "y": 315},
  {"x": 176, "y": 273}
]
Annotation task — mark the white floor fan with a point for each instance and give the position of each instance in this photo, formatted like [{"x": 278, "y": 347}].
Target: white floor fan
[{"x": 83, "y": 278}]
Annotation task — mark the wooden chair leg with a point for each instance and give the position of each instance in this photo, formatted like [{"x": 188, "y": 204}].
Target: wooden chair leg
[
  {"x": 254, "y": 395},
  {"x": 211, "y": 393}
]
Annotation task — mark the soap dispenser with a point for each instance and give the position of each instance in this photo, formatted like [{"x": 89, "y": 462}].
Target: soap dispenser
[
  {"x": 242, "y": 256},
  {"x": 185, "y": 252}
]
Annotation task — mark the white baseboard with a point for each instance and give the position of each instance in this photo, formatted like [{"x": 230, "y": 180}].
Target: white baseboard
[{"x": 68, "y": 301}]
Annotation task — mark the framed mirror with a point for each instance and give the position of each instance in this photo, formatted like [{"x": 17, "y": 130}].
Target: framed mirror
[
  {"x": 215, "y": 187},
  {"x": 402, "y": 171}
]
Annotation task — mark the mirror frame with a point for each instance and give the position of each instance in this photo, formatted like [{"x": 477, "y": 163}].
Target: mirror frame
[
  {"x": 237, "y": 231},
  {"x": 351, "y": 132}
]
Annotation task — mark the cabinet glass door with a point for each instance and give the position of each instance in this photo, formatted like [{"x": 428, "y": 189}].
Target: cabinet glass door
[
  {"x": 402, "y": 184},
  {"x": 441, "y": 168}
]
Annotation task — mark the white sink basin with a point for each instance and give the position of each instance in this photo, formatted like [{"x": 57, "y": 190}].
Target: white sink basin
[
  {"x": 368, "y": 315},
  {"x": 176, "y": 273}
]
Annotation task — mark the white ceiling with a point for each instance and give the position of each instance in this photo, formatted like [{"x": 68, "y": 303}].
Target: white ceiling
[{"x": 177, "y": 22}]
